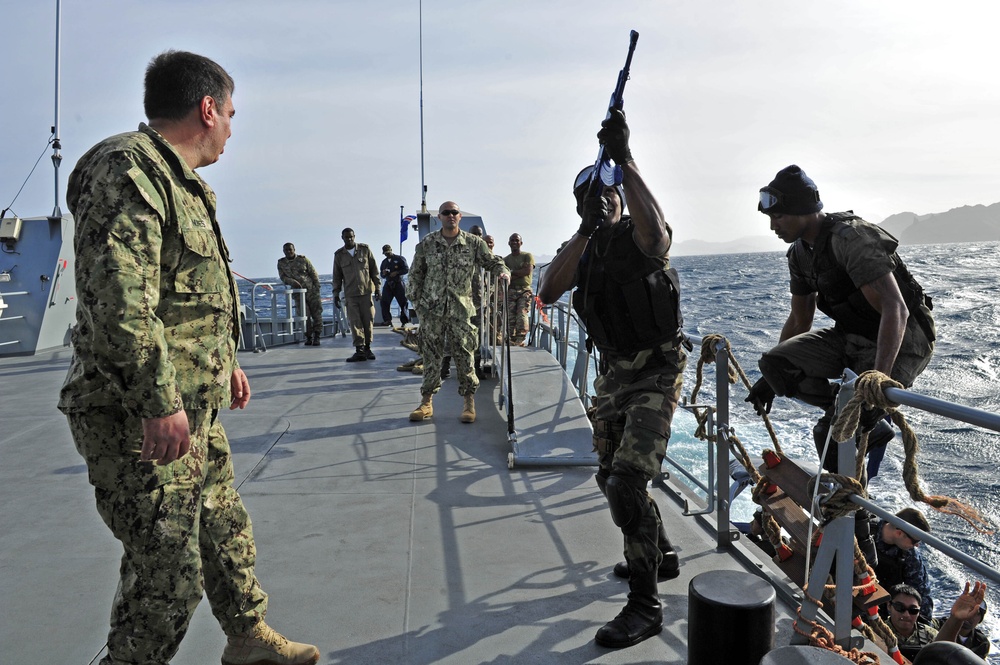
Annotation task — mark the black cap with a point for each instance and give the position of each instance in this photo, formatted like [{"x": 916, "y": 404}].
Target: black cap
[
  {"x": 791, "y": 192},
  {"x": 386, "y": 247}
]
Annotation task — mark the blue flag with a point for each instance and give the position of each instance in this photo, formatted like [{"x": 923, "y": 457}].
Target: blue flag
[{"x": 404, "y": 227}]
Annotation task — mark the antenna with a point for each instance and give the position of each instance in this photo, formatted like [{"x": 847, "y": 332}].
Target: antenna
[
  {"x": 423, "y": 185},
  {"x": 56, "y": 146}
]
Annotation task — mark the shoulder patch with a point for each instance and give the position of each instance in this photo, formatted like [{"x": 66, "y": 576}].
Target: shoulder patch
[{"x": 147, "y": 190}]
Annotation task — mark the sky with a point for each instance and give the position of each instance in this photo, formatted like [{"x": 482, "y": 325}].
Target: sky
[{"x": 890, "y": 106}]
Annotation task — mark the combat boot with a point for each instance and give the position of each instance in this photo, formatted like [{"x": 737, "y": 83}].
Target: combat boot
[
  {"x": 423, "y": 412},
  {"x": 359, "y": 355},
  {"x": 261, "y": 645},
  {"x": 469, "y": 410},
  {"x": 408, "y": 367},
  {"x": 368, "y": 353},
  {"x": 642, "y": 616},
  {"x": 670, "y": 564}
]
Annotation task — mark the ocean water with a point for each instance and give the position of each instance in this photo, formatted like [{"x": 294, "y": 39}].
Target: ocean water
[{"x": 745, "y": 298}]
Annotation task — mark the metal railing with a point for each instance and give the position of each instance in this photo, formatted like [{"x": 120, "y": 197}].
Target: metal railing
[{"x": 564, "y": 337}]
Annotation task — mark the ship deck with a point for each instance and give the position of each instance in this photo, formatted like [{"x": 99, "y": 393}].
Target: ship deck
[{"x": 379, "y": 540}]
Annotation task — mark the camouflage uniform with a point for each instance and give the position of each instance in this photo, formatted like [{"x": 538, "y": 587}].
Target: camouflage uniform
[
  {"x": 636, "y": 392},
  {"x": 440, "y": 289},
  {"x": 519, "y": 297},
  {"x": 156, "y": 332},
  {"x": 635, "y": 400},
  {"x": 358, "y": 276},
  {"x": 300, "y": 269}
]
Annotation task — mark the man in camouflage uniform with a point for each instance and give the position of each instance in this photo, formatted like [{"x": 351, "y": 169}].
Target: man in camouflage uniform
[
  {"x": 298, "y": 272},
  {"x": 355, "y": 271},
  {"x": 627, "y": 296},
  {"x": 154, "y": 362},
  {"x": 519, "y": 295},
  {"x": 440, "y": 289}
]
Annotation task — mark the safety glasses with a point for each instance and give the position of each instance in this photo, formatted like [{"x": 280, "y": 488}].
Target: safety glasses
[{"x": 769, "y": 198}]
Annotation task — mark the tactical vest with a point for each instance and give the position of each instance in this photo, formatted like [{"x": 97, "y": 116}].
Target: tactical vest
[
  {"x": 628, "y": 301},
  {"x": 845, "y": 303}
]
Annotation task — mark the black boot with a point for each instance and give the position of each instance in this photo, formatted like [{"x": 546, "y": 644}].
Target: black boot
[
  {"x": 446, "y": 367},
  {"x": 359, "y": 355},
  {"x": 670, "y": 564},
  {"x": 642, "y": 616},
  {"x": 368, "y": 353}
]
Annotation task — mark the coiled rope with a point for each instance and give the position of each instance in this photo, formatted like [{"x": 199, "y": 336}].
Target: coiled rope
[{"x": 869, "y": 389}]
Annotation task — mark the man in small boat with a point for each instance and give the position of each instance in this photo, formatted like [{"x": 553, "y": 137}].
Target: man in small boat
[
  {"x": 915, "y": 633},
  {"x": 392, "y": 270},
  {"x": 154, "y": 361},
  {"x": 849, "y": 270},
  {"x": 298, "y": 272},
  {"x": 628, "y": 298},
  {"x": 440, "y": 289},
  {"x": 356, "y": 273},
  {"x": 899, "y": 560}
]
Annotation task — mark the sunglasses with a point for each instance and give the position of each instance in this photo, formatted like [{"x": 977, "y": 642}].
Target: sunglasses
[
  {"x": 901, "y": 608},
  {"x": 450, "y": 212}
]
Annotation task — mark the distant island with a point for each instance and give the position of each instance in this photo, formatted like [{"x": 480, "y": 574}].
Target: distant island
[{"x": 975, "y": 223}]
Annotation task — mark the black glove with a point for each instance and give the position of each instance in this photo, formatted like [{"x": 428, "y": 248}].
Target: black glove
[
  {"x": 761, "y": 396},
  {"x": 869, "y": 418},
  {"x": 595, "y": 211},
  {"x": 614, "y": 136},
  {"x": 336, "y": 301}
]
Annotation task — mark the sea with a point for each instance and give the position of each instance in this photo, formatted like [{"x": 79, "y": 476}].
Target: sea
[{"x": 745, "y": 298}]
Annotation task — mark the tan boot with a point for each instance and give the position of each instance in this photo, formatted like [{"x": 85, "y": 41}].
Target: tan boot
[
  {"x": 424, "y": 411},
  {"x": 261, "y": 645},
  {"x": 469, "y": 410}
]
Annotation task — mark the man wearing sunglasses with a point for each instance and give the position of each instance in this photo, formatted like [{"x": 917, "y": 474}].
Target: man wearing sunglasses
[
  {"x": 914, "y": 632},
  {"x": 440, "y": 289},
  {"x": 904, "y": 619},
  {"x": 848, "y": 269},
  {"x": 628, "y": 298}
]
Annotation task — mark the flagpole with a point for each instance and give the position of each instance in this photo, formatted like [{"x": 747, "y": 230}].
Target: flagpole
[{"x": 401, "y": 230}]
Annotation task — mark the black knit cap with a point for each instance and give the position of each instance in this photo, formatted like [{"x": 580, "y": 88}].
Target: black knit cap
[{"x": 791, "y": 192}]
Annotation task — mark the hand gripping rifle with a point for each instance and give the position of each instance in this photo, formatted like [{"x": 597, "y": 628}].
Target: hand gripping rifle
[{"x": 604, "y": 173}]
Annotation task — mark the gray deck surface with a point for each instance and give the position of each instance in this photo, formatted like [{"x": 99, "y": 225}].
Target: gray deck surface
[{"x": 379, "y": 540}]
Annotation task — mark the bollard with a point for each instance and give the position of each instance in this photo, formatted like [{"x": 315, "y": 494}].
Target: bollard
[
  {"x": 803, "y": 655},
  {"x": 730, "y": 618}
]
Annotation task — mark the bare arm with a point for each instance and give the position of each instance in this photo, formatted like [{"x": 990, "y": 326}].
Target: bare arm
[
  {"x": 652, "y": 234},
  {"x": 558, "y": 277},
  {"x": 966, "y": 607},
  {"x": 800, "y": 318},
  {"x": 884, "y": 296}
]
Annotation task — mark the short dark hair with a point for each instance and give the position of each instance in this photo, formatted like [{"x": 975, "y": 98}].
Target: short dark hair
[
  {"x": 177, "y": 81},
  {"x": 903, "y": 588}
]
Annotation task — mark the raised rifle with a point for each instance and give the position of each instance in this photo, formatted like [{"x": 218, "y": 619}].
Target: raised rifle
[{"x": 604, "y": 173}]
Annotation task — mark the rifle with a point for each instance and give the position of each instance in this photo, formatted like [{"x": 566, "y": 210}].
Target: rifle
[{"x": 603, "y": 172}]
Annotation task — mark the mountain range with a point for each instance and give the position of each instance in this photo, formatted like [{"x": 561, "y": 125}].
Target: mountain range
[{"x": 975, "y": 223}]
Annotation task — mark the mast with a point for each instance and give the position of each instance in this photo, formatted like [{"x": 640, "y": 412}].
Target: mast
[
  {"x": 56, "y": 146},
  {"x": 423, "y": 217},
  {"x": 423, "y": 184}
]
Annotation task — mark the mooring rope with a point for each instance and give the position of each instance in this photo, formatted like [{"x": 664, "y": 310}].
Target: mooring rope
[{"x": 869, "y": 389}]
